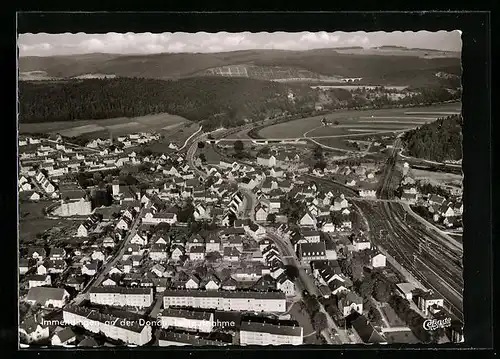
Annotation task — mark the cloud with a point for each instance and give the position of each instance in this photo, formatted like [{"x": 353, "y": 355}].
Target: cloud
[
  {"x": 130, "y": 43},
  {"x": 92, "y": 45},
  {"x": 176, "y": 47}
]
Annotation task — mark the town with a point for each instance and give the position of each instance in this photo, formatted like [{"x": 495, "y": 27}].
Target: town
[{"x": 232, "y": 243}]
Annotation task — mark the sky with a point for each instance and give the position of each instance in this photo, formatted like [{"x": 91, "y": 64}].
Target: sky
[{"x": 43, "y": 44}]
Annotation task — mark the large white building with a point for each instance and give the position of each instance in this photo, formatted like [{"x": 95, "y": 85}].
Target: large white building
[
  {"x": 170, "y": 338},
  {"x": 226, "y": 300},
  {"x": 121, "y": 296},
  {"x": 187, "y": 319},
  {"x": 118, "y": 328},
  {"x": 80, "y": 207},
  {"x": 252, "y": 333}
]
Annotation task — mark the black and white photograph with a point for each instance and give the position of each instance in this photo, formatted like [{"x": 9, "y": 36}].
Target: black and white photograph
[{"x": 240, "y": 188}]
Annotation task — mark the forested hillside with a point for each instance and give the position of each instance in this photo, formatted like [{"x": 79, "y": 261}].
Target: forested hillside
[
  {"x": 210, "y": 100},
  {"x": 438, "y": 141}
]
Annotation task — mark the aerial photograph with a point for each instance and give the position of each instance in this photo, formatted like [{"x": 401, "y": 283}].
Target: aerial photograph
[{"x": 239, "y": 189}]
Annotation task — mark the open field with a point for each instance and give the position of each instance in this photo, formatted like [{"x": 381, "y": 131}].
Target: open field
[
  {"x": 297, "y": 128},
  {"x": 437, "y": 177},
  {"x": 32, "y": 220},
  {"x": 177, "y": 135},
  {"x": 337, "y": 143},
  {"x": 392, "y": 317},
  {"x": 119, "y": 126}
]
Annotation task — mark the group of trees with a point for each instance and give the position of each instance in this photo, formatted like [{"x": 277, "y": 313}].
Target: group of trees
[
  {"x": 427, "y": 188},
  {"x": 437, "y": 141},
  {"x": 377, "y": 287},
  {"x": 319, "y": 157},
  {"x": 312, "y": 306},
  {"x": 213, "y": 101},
  {"x": 293, "y": 209}
]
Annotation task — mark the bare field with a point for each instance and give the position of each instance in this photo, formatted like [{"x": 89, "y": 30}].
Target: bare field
[
  {"x": 297, "y": 128},
  {"x": 178, "y": 135},
  {"x": 437, "y": 177},
  {"x": 119, "y": 126}
]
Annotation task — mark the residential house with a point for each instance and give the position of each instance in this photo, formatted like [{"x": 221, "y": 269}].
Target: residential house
[
  {"x": 308, "y": 220},
  {"x": 286, "y": 285},
  {"x": 36, "y": 253},
  {"x": 378, "y": 261},
  {"x": 39, "y": 280},
  {"x": 158, "y": 252},
  {"x": 406, "y": 290},
  {"x": 31, "y": 331},
  {"x": 193, "y": 282},
  {"x": 177, "y": 252},
  {"x": 429, "y": 299},
  {"x": 364, "y": 331},
  {"x": 90, "y": 268},
  {"x": 231, "y": 254},
  {"x": 349, "y": 302},
  {"x": 47, "y": 297},
  {"x": 266, "y": 160},
  {"x": 255, "y": 231},
  {"x": 197, "y": 253},
  {"x": 311, "y": 251},
  {"x": 261, "y": 213}
]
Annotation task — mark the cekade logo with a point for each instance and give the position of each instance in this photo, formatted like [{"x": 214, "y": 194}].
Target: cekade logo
[{"x": 433, "y": 324}]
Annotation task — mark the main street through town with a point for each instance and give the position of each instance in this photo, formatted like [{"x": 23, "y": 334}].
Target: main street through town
[{"x": 306, "y": 282}]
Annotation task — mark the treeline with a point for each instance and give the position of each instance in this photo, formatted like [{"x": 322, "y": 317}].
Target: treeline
[
  {"x": 437, "y": 141},
  {"x": 214, "y": 101}
]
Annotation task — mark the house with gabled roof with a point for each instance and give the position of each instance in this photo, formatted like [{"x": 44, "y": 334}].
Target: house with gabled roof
[
  {"x": 308, "y": 220},
  {"x": 47, "y": 297},
  {"x": 38, "y": 280},
  {"x": 36, "y": 253},
  {"x": 231, "y": 254},
  {"x": 364, "y": 331},
  {"x": 193, "y": 282},
  {"x": 349, "y": 302},
  {"x": 197, "y": 253},
  {"x": 32, "y": 331}
]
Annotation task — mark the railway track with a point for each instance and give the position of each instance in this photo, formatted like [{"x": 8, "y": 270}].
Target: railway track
[{"x": 404, "y": 247}]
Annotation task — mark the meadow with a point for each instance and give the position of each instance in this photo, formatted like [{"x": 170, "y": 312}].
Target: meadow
[
  {"x": 297, "y": 128},
  {"x": 118, "y": 126}
]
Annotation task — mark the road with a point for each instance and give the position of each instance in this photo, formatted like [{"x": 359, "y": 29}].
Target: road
[
  {"x": 305, "y": 282},
  {"x": 189, "y": 138},
  {"x": 290, "y": 139},
  {"x": 191, "y": 152},
  {"x": 249, "y": 197}
]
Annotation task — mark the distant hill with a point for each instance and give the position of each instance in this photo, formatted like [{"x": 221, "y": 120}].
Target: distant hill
[
  {"x": 438, "y": 141},
  {"x": 213, "y": 101},
  {"x": 375, "y": 66}
]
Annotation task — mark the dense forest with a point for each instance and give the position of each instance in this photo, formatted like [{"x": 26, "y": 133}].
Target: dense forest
[
  {"x": 437, "y": 141},
  {"x": 211, "y": 100}
]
